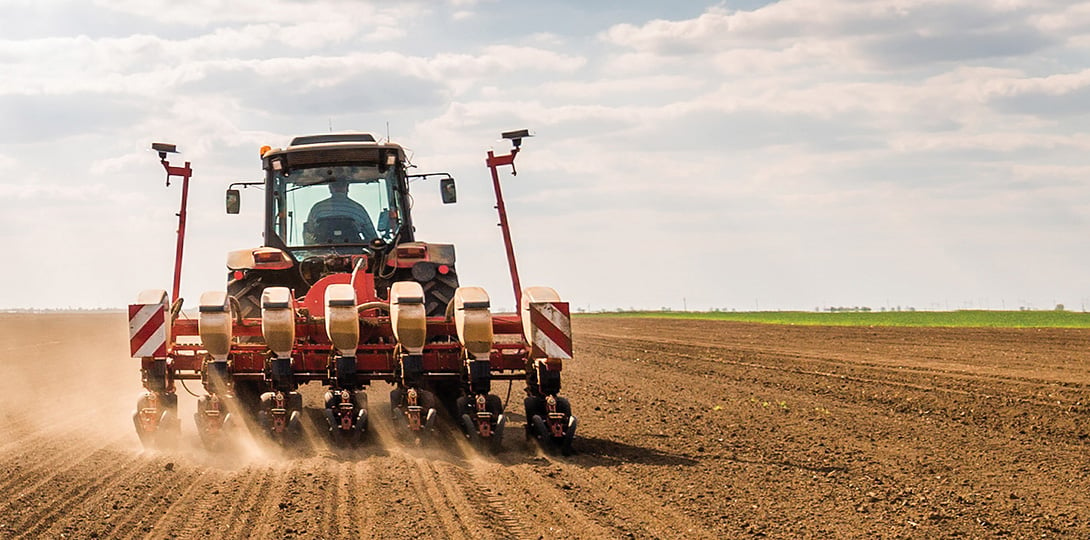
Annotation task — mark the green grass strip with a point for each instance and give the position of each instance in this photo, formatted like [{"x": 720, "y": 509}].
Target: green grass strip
[{"x": 961, "y": 318}]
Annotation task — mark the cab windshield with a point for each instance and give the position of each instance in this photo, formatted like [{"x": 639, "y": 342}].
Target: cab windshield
[{"x": 342, "y": 204}]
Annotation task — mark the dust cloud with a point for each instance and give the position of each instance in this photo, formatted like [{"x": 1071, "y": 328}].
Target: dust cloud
[{"x": 69, "y": 371}]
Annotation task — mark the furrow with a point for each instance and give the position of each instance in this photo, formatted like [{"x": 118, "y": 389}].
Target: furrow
[
  {"x": 540, "y": 506},
  {"x": 843, "y": 376},
  {"x": 439, "y": 506},
  {"x": 153, "y": 506},
  {"x": 232, "y": 522},
  {"x": 44, "y": 512},
  {"x": 47, "y": 463},
  {"x": 629, "y": 507},
  {"x": 262, "y": 520},
  {"x": 465, "y": 499}
]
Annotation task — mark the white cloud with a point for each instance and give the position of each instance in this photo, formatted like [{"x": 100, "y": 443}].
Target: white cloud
[
  {"x": 1056, "y": 84},
  {"x": 616, "y": 88},
  {"x": 205, "y": 13},
  {"x": 7, "y": 164},
  {"x": 794, "y": 137},
  {"x": 884, "y": 34}
]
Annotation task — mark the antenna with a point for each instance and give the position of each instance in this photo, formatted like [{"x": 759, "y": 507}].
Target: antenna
[
  {"x": 331, "y": 124},
  {"x": 387, "y": 131}
]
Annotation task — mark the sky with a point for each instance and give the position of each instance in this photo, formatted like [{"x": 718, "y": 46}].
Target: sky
[{"x": 744, "y": 155}]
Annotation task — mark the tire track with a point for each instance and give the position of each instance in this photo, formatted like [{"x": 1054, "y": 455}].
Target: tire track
[
  {"x": 614, "y": 496},
  {"x": 501, "y": 519},
  {"x": 445, "y": 503},
  {"x": 470, "y": 500},
  {"x": 140, "y": 519},
  {"x": 541, "y": 507}
]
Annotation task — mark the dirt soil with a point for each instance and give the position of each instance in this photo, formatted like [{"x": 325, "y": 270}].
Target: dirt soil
[{"x": 687, "y": 430}]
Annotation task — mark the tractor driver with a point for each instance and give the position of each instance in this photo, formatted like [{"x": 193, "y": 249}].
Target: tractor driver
[{"x": 328, "y": 220}]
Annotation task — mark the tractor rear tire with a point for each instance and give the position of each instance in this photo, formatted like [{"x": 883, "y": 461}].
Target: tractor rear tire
[{"x": 438, "y": 292}]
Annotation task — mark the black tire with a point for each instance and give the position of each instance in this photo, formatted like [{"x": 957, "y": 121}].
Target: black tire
[
  {"x": 494, "y": 405},
  {"x": 248, "y": 294},
  {"x": 539, "y": 429},
  {"x": 362, "y": 423},
  {"x": 569, "y": 436},
  {"x": 471, "y": 430},
  {"x": 564, "y": 444},
  {"x": 438, "y": 292},
  {"x": 495, "y": 445},
  {"x": 532, "y": 406},
  {"x": 293, "y": 428}
]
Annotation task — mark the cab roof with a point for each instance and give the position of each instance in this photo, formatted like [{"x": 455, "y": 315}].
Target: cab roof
[
  {"x": 332, "y": 138},
  {"x": 334, "y": 147}
]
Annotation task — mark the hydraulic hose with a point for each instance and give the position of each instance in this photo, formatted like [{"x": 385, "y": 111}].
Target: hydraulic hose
[
  {"x": 373, "y": 305},
  {"x": 237, "y": 307},
  {"x": 449, "y": 313}
]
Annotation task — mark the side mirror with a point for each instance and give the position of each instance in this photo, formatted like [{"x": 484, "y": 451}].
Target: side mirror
[
  {"x": 448, "y": 191},
  {"x": 234, "y": 200}
]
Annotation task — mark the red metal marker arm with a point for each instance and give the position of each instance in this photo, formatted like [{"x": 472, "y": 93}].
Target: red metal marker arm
[
  {"x": 184, "y": 172},
  {"x": 493, "y": 162}
]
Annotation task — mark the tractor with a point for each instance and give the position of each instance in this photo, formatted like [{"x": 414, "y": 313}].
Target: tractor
[{"x": 343, "y": 293}]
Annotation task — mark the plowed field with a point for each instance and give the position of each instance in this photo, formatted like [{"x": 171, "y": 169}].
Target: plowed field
[{"x": 687, "y": 430}]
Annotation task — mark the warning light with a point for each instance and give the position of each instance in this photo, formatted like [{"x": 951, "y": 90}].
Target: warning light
[
  {"x": 411, "y": 252},
  {"x": 265, "y": 149},
  {"x": 444, "y": 269},
  {"x": 266, "y": 256},
  {"x": 270, "y": 258}
]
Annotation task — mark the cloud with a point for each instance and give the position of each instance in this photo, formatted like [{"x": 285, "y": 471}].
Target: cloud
[
  {"x": 7, "y": 163},
  {"x": 628, "y": 90},
  {"x": 953, "y": 45},
  {"x": 801, "y": 147},
  {"x": 889, "y": 34},
  {"x": 40, "y": 118},
  {"x": 205, "y": 13},
  {"x": 1054, "y": 96},
  {"x": 335, "y": 86}
]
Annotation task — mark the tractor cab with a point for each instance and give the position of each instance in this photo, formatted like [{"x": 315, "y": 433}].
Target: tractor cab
[
  {"x": 339, "y": 203},
  {"x": 335, "y": 194}
]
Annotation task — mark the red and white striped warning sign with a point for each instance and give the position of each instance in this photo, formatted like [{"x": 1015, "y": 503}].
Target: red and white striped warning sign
[
  {"x": 147, "y": 330},
  {"x": 550, "y": 336}
]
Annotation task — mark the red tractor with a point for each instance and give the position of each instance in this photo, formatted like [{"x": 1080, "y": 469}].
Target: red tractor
[{"x": 342, "y": 293}]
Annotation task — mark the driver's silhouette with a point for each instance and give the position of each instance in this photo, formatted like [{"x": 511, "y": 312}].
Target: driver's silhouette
[{"x": 338, "y": 219}]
